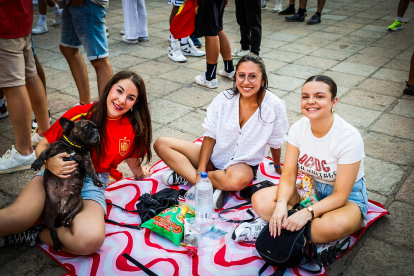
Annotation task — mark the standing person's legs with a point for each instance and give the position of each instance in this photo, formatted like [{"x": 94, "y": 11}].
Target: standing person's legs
[
  {"x": 409, "y": 88},
  {"x": 131, "y": 19},
  {"x": 38, "y": 100},
  {"x": 142, "y": 20},
  {"x": 402, "y": 8},
  {"x": 254, "y": 19},
  {"x": 242, "y": 20},
  {"x": 316, "y": 18},
  {"x": 41, "y": 26}
]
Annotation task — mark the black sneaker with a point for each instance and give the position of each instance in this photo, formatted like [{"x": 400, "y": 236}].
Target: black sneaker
[
  {"x": 295, "y": 18},
  {"x": 327, "y": 253},
  {"x": 219, "y": 198},
  {"x": 170, "y": 177},
  {"x": 289, "y": 10},
  {"x": 409, "y": 90},
  {"x": 315, "y": 19},
  {"x": 3, "y": 111},
  {"x": 31, "y": 236},
  {"x": 34, "y": 123}
]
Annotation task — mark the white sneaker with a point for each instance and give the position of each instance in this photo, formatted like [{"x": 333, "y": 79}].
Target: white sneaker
[
  {"x": 224, "y": 74},
  {"x": 219, "y": 198},
  {"x": 170, "y": 177},
  {"x": 36, "y": 138},
  {"x": 240, "y": 53},
  {"x": 264, "y": 7},
  {"x": 58, "y": 18},
  {"x": 122, "y": 32},
  {"x": 201, "y": 80},
  {"x": 13, "y": 161},
  {"x": 190, "y": 50},
  {"x": 130, "y": 41},
  {"x": 40, "y": 29},
  {"x": 277, "y": 8},
  {"x": 174, "y": 52},
  {"x": 249, "y": 231}
]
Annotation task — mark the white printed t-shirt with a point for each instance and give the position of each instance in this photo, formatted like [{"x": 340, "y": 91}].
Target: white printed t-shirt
[
  {"x": 265, "y": 128},
  {"x": 320, "y": 157}
]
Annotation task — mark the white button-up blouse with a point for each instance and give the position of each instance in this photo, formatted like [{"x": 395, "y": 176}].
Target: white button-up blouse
[{"x": 266, "y": 128}]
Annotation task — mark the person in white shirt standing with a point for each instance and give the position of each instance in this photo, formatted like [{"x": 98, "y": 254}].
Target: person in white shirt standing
[
  {"x": 241, "y": 124},
  {"x": 135, "y": 23},
  {"x": 331, "y": 151}
]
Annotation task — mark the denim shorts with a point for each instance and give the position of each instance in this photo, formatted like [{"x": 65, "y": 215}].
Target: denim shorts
[
  {"x": 33, "y": 48},
  {"x": 85, "y": 25},
  {"x": 358, "y": 195},
  {"x": 89, "y": 190}
]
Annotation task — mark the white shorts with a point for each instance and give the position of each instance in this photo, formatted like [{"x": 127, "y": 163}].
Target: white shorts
[{"x": 176, "y": 3}]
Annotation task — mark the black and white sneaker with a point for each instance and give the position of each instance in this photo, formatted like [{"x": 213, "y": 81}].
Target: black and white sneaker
[
  {"x": 326, "y": 253},
  {"x": 34, "y": 123},
  {"x": 170, "y": 177},
  {"x": 3, "y": 111},
  {"x": 31, "y": 236},
  {"x": 219, "y": 198},
  {"x": 190, "y": 50},
  {"x": 249, "y": 231}
]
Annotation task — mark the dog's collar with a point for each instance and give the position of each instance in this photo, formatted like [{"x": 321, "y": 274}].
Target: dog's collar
[{"x": 64, "y": 140}]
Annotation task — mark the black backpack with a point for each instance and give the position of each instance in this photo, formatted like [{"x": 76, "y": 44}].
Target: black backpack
[
  {"x": 287, "y": 250},
  {"x": 148, "y": 206}
]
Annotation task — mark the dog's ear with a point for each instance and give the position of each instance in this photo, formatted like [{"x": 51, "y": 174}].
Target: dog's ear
[{"x": 66, "y": 123}]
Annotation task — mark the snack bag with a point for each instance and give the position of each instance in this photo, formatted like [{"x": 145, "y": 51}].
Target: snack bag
[
  {"x": 306, "y": 192},
  {"x": 170, "y": 223}
]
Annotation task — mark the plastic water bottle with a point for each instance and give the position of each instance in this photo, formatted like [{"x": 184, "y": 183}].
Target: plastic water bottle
[{"x": 204, "y": 203}]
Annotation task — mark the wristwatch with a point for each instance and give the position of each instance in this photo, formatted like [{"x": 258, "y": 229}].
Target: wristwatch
[{"x": 311, "y": 210}]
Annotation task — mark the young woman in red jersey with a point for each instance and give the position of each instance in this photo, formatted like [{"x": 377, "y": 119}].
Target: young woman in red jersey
[{"x": 124, "y": 123}]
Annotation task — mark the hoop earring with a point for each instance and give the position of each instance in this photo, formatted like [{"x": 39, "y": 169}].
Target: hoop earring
[{"x": 332, "y": 110}]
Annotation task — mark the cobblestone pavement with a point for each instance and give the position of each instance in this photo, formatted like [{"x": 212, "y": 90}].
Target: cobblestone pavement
[{"x": 351, "y": 45}]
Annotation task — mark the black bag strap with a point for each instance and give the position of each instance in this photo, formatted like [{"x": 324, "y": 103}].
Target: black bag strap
[
  {"x": 237, "y": 207},
  {"x": 307, "y": 259},
  {"x": 138, "y": 264},
  {"x": 279, "y": 271},
  {"x": 136, "y": 227},
  {"x": 264, "y": 267},
  {"x": 132, "y": 211}
]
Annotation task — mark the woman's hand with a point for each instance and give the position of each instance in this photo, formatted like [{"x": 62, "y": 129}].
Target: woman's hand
[
  {"x": 296, "y": 221},
  {"x": 279, "y": 216},
  {"x": 59, "y": 167},
  {"x": 146, "y": 171}
]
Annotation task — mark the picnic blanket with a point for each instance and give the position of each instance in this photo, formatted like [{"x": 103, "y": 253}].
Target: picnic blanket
[{"x": 159, "y": 254}]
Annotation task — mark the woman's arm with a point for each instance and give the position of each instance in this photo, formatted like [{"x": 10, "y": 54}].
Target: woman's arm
[
  {"x": 276, "y": 159},
  {"x": 138, "y": 171},
  {"x": 286, "y": 188},
  {"x": 344, "y": 183},
  {"x": 205, "y": 153}
]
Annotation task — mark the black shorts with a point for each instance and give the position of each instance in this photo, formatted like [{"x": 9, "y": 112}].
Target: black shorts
[
  {"x": 254, "y": 168},
  {"x": 209, "y": 19}
]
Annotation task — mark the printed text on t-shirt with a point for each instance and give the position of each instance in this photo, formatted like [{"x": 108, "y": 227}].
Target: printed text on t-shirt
[{"x": 316, "y": 167}]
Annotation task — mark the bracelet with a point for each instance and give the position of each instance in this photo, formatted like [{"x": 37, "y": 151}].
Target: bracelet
[
  {"x": 277, "y": 167},
  {"x": 197, "y": 172},
  {"x": 139, "y": 178}
]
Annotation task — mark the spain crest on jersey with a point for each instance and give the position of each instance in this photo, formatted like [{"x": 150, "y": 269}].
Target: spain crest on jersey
[{"x": 124, "y": 146}]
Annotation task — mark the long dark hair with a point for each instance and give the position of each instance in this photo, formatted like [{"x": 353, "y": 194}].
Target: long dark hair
[
  {"x": 260, "y": 63},
  {"x": 325, "y": 79},
  {"x": 139, "y": 117}
]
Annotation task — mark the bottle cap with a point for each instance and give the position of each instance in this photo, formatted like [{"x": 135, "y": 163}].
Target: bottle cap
[{"x": 203, "y": 175}]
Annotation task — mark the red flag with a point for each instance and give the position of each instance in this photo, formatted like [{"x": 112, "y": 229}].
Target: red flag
[{"x": 183, "y": 24}]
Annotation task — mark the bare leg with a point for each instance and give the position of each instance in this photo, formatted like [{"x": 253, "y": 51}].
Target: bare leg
[
  {"x": 302, "y": 4},
  {"x": 402, "y": 7},
  {"x": 103, "y": 72},
  {"x": 42, "y": 7},
  {"x": 39, "y": 103},
  {"x": 26, "y": 210},
  {"x": 79, "y": 72},
  {"x": 51, "y": 3},
  {"x": 20, "y": 110},
  {"x": 225, "y": 48},
  {"x": 411, "y": 75},
  {"x": 212, "y": 49},
  {"x": 40, "y": 72},
  {"x": 321, "y": 4},
  {"x": 86, "y": 234},
  {"x": 291, "y": 2}
]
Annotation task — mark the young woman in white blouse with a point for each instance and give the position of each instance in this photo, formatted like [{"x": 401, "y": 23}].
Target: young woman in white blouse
[
  {"x": 241, "y": 124},
  {"x": 325, "y": 146}
]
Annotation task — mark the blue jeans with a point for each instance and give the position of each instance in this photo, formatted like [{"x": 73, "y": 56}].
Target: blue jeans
[
  {"x": 89, "y": 190},
  {"x": 358, "y": 195},
  {"x": 85, "y": 25}
]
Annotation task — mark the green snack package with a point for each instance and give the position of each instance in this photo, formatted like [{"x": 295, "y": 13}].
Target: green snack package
[{"x": 169, "y": 223}]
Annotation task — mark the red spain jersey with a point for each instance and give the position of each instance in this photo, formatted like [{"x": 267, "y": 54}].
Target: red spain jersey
[{"x": 119, "y": 136}]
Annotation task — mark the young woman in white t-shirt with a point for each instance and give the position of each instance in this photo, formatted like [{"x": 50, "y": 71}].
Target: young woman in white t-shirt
[
  {"x": 325, "y": 146},
  {"x": 241, "y": 124}
]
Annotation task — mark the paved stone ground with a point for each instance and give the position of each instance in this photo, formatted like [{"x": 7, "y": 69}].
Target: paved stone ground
[{"x": 351, "y": 45}]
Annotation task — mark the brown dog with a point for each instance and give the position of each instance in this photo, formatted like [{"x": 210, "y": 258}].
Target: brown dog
[{"x": 63, "y": 195}]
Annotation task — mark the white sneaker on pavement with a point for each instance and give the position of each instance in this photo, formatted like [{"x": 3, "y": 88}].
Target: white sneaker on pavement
[
  {"x": 13, "y": 161},
  {"x": 240, "y": 53},
  {"x": 122, "y": 32},
  {"x": 58, "y": 18},
  {"x": 170, "y": 177},
  {"x": 277, "y": 8},
  {"x": 249, "y": 231},
  {"x": 39, "y": 29},
  {"x": 174, "y": 52},
  {"x": 190, "y": 50},
  {"x": 36, "y": 138},
  {"x": 224, "y": 74},
  {"x": 201, "y": 80},
  {"x": 130, "y": 41}
]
